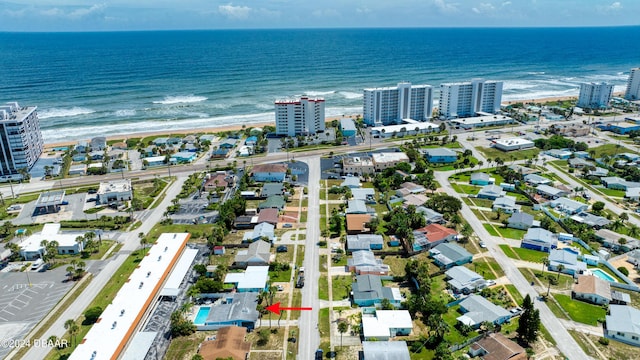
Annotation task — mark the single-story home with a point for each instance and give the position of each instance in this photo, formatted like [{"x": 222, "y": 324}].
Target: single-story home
[
  {"x": 273, "y": 202},
  {"x": 559, "y": 154},
  {"x": 440, "y": 155},
  {"x": 269, "y": 215},
  {"x": 364, "y": 262},
  {"x": 364, "y": 242},
  {"x": 358, "y": 207},
  {"x": 568, "y": 259},
  {"x": 535, "y": 180},
  {"x": 477, "y": 309},
  {"x": 447, "y": 255},
  {"x": 352, "y": 182},
  {"x": 463, "y": 280},
  {"x": 522, "y": 221},
  {"x": 491, "y": 192},
  {"x": 623, "y": 324},
  {"x": 432, "y": 235},
  {"x": 357, "y": 223},
  {"x": 386, "y": 324},
  {"x": 430, "y": 215},
  {"x": 229, "y": 343},
  {"x": 591, "y": 220},
  {"x": 383, "y": 350},
  {"x": 550, "y": 192},
  {"x": 253, "y": 279},
  {"x": 539, "y": 239},
  {"x": 367, "y": 290},
  {"x": 263, "y": 231},
  {"x": 568, "y": 206},
  {"x": 271, "y": 189},
  {"x": 496, "y": 346},
  {"x": 365, "y": 194},
  {"x": 258, "y": 253},
  {"x": 236, "y": 309},
  {"x": 592, "y": 289},
  {"x": 269, "y": 172},
  {"x": 481, "y": 179},
  {"x": 507, "y": 204}
]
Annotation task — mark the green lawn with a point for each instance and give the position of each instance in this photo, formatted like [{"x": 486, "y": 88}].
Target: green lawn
[
  {"x": 511, "y": 233},
  {"x": 581, "y": 311},
  {"x": 465, "y": 189},
  {"x": 523, "y": 254},
  {"x": 610, "y": 150},
  {"x": 486, "y": 267},
  {"x": 514, "y": 293},
  {"x": 280, "y": 276},
  {"x": 323, "y": 287},
  {"x": 611, "y": 192},
  {"x": 453, "y": 335},
  {"x": 493, "y": 153},
  {"x": 341, "y": 287},
  {"x": 491, "y": 231}
]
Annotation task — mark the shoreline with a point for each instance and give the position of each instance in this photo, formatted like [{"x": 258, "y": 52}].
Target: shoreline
[{"x": 223, "y": 128}]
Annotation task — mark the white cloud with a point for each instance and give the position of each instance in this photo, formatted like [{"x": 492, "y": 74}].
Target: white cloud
[
  {"x": 506, "y": 3},
  {"x": 52, "y": 12},
  {"x": 483, "y": 8},
  {"x": 234, "y": 12},
  {"x": 363, "y": 10},
  {"x": 82, "y": 12},
  {"x": 445, "y": 7},
  {"x": 326, "y": 13},
  {"x": 615, "y": 6}
]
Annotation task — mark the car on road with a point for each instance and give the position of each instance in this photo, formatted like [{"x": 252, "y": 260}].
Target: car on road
[
  {"x": 482, "y": 244},
  {"x": 319, "y": 354}
]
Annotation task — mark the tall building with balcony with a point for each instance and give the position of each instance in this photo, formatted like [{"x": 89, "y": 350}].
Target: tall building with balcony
[
  {"x": 467, "y": 99},
  {"x": 633, "y": 85},
  {"x": 390, "y": 105},
  {"x": 299, "y": 116},
  {"x": 595, "y": 96},
  {"x": 20, "y": 138}
]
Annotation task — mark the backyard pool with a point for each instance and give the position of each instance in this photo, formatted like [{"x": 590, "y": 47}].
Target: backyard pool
[
  {"x": 603, "y": 275},
  {"x": 202, "y": 315}
]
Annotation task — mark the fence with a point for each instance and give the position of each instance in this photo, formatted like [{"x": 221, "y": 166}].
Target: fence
[{"x": 629, "y": 283}]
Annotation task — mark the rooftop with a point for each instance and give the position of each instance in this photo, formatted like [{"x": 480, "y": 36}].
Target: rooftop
[
  {"x": 255, "y": 277},
  {"x": 122, "y": 185},
  {"x": 390, "y": 157},
  {"x": 229, "y": 343},
  {"x": 50, "y": 198},
  {"x": 385, "y": 350},
  {"x": 625, "y": 319},
  {"x": 589, "y": 284},
  {"x": 513, "y": 142}
]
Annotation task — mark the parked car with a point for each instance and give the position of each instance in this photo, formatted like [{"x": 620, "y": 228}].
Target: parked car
[
  {"x": 287, "y": 226},
  {"x": 282, "y": 248},
  {"x": 92, "y": 199}
]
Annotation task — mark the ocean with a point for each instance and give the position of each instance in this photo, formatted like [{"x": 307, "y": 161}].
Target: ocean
[{"x": 88, "y": 84}]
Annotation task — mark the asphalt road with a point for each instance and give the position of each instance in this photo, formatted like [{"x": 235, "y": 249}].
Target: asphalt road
[
  {"x": 130, "y": 242},
  {"x": 309, "y": 339}
]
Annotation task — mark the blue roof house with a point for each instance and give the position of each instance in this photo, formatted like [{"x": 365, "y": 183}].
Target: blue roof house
[
  {"x": 539, "y": 239},
  {"x": 481, "y": 179},
  {"x": 440, "y": 155},
  {"x": 447, "y": 255}
]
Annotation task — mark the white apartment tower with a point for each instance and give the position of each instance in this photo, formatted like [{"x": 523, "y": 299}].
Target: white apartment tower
[
  {"x": 390, "y": 105},
  {"x": 299, "y": 116},
  {"x": 633, "y": 85},
  {"x": 20, "y": 138},
  {"x": 466, "y": 99},
  {"x": 595, "y": 96}
]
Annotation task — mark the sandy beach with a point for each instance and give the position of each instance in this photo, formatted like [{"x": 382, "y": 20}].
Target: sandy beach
[{"x": 217, "y": 129}]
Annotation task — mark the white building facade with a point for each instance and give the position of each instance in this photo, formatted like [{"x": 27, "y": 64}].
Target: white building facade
[
  {"x": 633, "y": 85},
  {"x": 595, "y": 96},
  {"x": 299, "y": 116},
  {"x": 469, "y": 98},
  {"x": 20, "y": 138},
  {"x": 390, "y": 105}
]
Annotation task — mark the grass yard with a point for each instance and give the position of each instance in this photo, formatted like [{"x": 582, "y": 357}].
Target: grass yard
[
  {"x": 396, "y": 264},
  {"x": 453, "y": 335},
  {"x": 565, "y": 282},
  {"x": 184, "y": 347},
  {"x": 492, "y": 231},
  {"x": 341, "y": 286},
  {"x": 511, "y": 233},
  {"x": 486, "y": 267},
  {"x": 581, "y": 311},
  {"x": 465, "y": 189},
  {"x": 611, "y": 192},
  {"x": 514, "y": 293},
  {"x": 280, "y": 276},
  {"x": 323, "y": 287},
  {"x": 493, "y": 153},
  {"x": 610, "y": 150},
  {"x": 523, "y": 254}
]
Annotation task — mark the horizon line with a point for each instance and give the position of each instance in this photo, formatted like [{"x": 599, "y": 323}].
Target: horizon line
[{"x": 321, "y": 28}]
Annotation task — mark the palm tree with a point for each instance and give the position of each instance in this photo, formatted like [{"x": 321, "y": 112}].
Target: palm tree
[
  {"x": 633, "y": 231},
  {"x": 72, "y": 327},
  {"x": 80, "y": 242},
  {"x": 560, "y": 268},
  {"x": 53, "y": 340},
  {"x": 70, "y": 270},
  {"x": 343, "y": 327},
  {"x": 545, "y": 262},
  {"x": 143, "y": 242}
]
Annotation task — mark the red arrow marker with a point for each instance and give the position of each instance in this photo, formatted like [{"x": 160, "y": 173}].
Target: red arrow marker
[{"x": 275, "y": 308}]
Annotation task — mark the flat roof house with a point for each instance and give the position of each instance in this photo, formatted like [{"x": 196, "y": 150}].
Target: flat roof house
[
  {"x": 364, "y": 242},
  {"x": 253, "y": 279},
  {"x": 623, "y": 324},
  {"x": 234, "y": 309},
  {"x": 440, "y": 155},
  {"x": 114, "y": 190},
  {"x": 365, "y": 262},
  {"x": 447, "y": 255},
  {"x": 385, "y": 350},
  {"x": 463, "y": 280},
  {"x": 386, "y": 324},
  {"x": 539, "y": 239},
  {"x": 592, "y": 289},
  {"x": 568, "y": 206},
  {"x": 511, "y": 144},
  {"x": 31, "y": 248},
  {"x": 386, "y": 160},
  {"x": 477, "y": 309},
  {"x": 367, "y": 290}
]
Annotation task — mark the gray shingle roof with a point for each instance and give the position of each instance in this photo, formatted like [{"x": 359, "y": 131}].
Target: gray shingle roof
[
  {"x": 623, "y": 319},
  {"x": 521, "y": 217},
  {"x": 480, "y": 309}
]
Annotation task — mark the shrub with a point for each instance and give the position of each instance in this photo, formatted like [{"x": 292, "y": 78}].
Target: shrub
[
  {"x": 624, "y": 270},
  {"x": 604, "y": 341},
  {"x": 92, "y": 315}
]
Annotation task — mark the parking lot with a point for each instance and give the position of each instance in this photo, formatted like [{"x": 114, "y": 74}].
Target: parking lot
[
  {"x": 74, "y": 210},
  {"x": 22, "y": 306},
  {"x": 194, "y": 211}
]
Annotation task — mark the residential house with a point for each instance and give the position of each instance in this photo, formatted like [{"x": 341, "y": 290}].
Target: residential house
[
  {"x": 559, "y": 154},
  {"x": 207, "y": 137},
  {"x": 386, "y": 324},
  {"x": 368, "y": 195},
  {"x": 599, "y": 172},
  {"x": 271, "y": 189},
  {"x": 440, "y": 155},
  {"x": 227, "y": 344},
  {"x": 550, "y": 192},
  {"x": 508, "y": 187},
  {"x": 219, "y": 180},
  {"x": 523, "y": 169},
  {"x": 80, "y": 169},
  {"x": 273, "y": 202},
  {"x": 269, "y": 172},
  {"x": 578, "y": 163},
  {"x": 581, "y": 154},
  {"x": 81, "y": 147},
  {"x": 568, "y": 206},
  {"x": 620, "y": 298},
  {"x": 251, "y": 141},
  {"x": 364, "y": 242},
  {"x": 357, "y": 207},
  {"x": 183, "y": 157},
  {"x": 463, "y": 280},
  {"x": 233, "y": 309},
  {"x": 476, "y": 310},
  {"x": 413, "y": 188},
  {"x": 507, "y": 204},
  {"x": 594, "y": 221},
  {"x": 364, "y": 262},
  {"x": 617, "y": 183},
  {"x": 269, "y": 216},
  {"x": 253, "y": 279},
  {"x": 432, "y": 235},
  {"x": 535, "y": 180},
  {"x": 623, "y": 324},
  {"x": 481, "y": 179},
  {"x": 263, "y": 231},
  {"x": 522, "y": 221},
  {"x": 611, "y": 239},
  {"x": 258, "y": 253},
  {"x": 385, "y": 350},
  {"x": 220, "y": 153},
  {"x": 367, "y": 290},
  {"x": 491, "y": 192},
  {"x": 629, "y": 156},
  {"x": 592, "y": 289},
  {"x": 632, "y": 194},
  {"x": 352, "y": 182},
  {"x": 496, "y": 346},
  {"x": 415, "y": 199},
  {"x": 539, "y": 239},
  {"x": 633, "y": 257},
  {"x": 568, "y": 259},
  {"x": 357, "y": 223},
  {"x": 447, "y": 255},
  {"x": 159, "y": 141},
  {"x": 228, "y": 143},
  {"x": 96, "y": 155},
  {"x": 245, "y": 222},
  {"x": 431, "y": 216}
]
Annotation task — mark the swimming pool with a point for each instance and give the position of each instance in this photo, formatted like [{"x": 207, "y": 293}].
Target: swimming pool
[
  {"x": 202, "y": 315},
  {"x": 603, "y": 275}
]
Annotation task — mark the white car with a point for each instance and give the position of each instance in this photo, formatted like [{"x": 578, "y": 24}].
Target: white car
[{"x": 483, "y": 245}]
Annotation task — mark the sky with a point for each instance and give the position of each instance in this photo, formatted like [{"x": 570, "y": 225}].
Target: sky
[{"x": 117, "y": 15}]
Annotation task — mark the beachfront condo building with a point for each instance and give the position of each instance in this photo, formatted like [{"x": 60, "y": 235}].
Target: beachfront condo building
[
  {"x": 633, "y": 85},
  {"x": 391, "y": 105},
  {"x": 301, "y": 116},
  {"x": 468, "y": 99},
  {"x": 595, "y": 96},
  {"x": 20, "y": 138}
]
